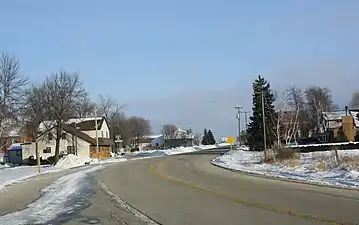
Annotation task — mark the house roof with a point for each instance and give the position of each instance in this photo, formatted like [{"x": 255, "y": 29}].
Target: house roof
[
  {"x": 87, "y": 124},
  {"x": 83, "y": 124},
  {"x": 337, "y": 116},
  {"x": 72, "y": 130},
  {"x": 87, "y": 138}
]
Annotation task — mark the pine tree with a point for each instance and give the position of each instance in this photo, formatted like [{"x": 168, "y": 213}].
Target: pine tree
[
  {"x": 205, "y": 137},
  {"x": 211, "y": 140},
  {"x": 255, "y": 126}
]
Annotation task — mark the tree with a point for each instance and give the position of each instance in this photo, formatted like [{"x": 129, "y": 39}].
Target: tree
[
  {"x": 196, "y": 138},
  {"x": 211, "y": 140},
  {"x": 138, "y": 127},
  {"x": 318, "y": 100},
  {"x": 205, "y": 140},
  {"x": 289, "y": 109},
  {"x": 12, "y": 93},
  {"x": 354, "y": 103},
  {"x": 115, "y": 117},
  {"x": 169, "y": 130},
  {"x": 64, "y": 91},
  {"x": 34, "y": 113},
  {"x": 85, "y": 108},
  {"x": 255, "y": 126}
]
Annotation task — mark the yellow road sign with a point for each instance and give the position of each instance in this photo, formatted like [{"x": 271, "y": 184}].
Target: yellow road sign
[{"x": 230, "y": 140}]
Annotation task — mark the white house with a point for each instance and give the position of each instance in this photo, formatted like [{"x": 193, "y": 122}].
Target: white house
[{"x": 78, "y": 137}]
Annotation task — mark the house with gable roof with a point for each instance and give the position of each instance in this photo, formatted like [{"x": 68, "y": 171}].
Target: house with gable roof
[{"x": 78, "y": 137}]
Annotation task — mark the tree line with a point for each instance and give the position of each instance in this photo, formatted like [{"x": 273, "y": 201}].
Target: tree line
[
  {"x": 59, "y": 97},
  {"x": 289, "y": 114}
]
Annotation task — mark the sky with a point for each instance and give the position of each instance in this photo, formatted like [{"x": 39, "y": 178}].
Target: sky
[{"x": 187, "y": 62}]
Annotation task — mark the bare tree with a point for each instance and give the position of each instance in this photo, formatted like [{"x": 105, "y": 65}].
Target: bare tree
[
  {"x": 12, "y": 93},
  {"x": 106, "y": 105},
  {"x": 318, "y": 100},
  {"x": 64, "y": 91},
  {"x": 354, "y": 103},
  {"x": 197, "y": 138},
  {"x": 118, "y": 123},
  {"x": 169, "y": 130},
  {"x": 113, "y": 112},
  {"x": 290, "y": 115},
  {"x": 85, "y": 108},
  {"x": 34, "y": 113},
  {"x": 138, "y": 127}
]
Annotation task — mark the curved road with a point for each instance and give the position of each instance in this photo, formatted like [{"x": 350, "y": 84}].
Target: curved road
[{"x": 187, "y": 189}]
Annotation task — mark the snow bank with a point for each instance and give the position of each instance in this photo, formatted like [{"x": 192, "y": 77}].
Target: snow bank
[
  {"x": 3, "y": 166},
  {"x": 174, "y": 151},
  {"x": 71, "y": 161},
  {"x": 315, "y": 167},
  {"x": 57, "y": 199},
  {"x": 159, "y": 153},
  {"x": 13, "y": 175}
]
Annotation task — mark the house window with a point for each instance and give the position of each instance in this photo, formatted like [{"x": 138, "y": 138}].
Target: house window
[
  {"x": 49, "y": 136},
  {"x": 107, "y": 134},
  {"x": 63, "y": 136},
  {"x": 47, "y": 150},
  {"x": 70, "y": 149},
  {"x": 101, "y": 133}
]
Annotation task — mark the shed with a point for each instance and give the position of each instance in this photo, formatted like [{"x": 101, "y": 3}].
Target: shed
[{"x": 15, "y": 153}]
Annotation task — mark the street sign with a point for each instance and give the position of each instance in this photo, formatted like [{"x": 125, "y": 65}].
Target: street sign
[{"x": 230, "y": 140}]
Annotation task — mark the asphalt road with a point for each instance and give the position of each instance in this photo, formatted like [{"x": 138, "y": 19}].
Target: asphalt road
[{"x": 186, "y": 189}]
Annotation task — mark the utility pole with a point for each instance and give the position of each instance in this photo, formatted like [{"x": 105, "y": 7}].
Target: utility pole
[
  {"x": 239, "y": 121},
  {"x": 97, "y": 146},
  {"x": 264, "y": 128}
]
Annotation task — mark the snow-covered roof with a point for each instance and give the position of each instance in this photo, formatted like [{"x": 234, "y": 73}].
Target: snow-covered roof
[
  {"x": 152, "y": 136},
  {"x": 334, "y": 115},
  {"x": 48, "y": 124},
  {"x": 337, "y": 116}
]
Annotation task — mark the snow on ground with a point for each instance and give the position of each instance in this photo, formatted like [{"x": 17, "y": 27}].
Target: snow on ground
[
  {"x": 66, "y": 195},
  {"x": 174, "y": 151},
  {"x": 12, "y": 175},
  {"x": 9, "y": 176},
  {"x": 72, "y": 161},
  {"x": 315, "y": 167},
  {"x": 156, "y": 153}
]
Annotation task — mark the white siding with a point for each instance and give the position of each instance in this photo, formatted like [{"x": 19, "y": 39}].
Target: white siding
[
  {"x": 103, "y": 132},
  {"x": 83, "y": 147}
]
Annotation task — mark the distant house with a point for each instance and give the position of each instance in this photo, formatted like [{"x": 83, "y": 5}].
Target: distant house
[
  {"x": 148, "y": 142},
  {"x": 181, "y": 138},
  {"x": 333, "y": 123}
]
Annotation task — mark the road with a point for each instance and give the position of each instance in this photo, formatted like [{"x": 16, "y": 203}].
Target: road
[{"x": 186, "y": 189}]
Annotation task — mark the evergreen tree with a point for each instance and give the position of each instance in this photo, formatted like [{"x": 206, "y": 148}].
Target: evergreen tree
[
  {"x": 255, "y": 127},
  {"x": 211, "y": 140},
  {"x": 205, "y": 138}
]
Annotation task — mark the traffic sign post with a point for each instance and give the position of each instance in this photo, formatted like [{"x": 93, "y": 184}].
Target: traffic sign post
[{"x": 230, "y": 140}]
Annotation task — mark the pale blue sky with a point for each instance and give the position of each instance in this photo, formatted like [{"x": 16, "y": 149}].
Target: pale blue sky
[{"x": 186, "y": 62}]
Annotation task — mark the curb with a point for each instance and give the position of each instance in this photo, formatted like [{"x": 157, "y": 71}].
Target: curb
[{"x": 253, "y": 174}]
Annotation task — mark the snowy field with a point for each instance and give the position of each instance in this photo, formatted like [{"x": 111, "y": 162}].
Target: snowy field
[{"x": 315, "y": 167}]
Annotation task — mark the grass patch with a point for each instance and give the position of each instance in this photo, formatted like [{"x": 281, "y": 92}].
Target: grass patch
[{"x": 284, "y": 156}]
